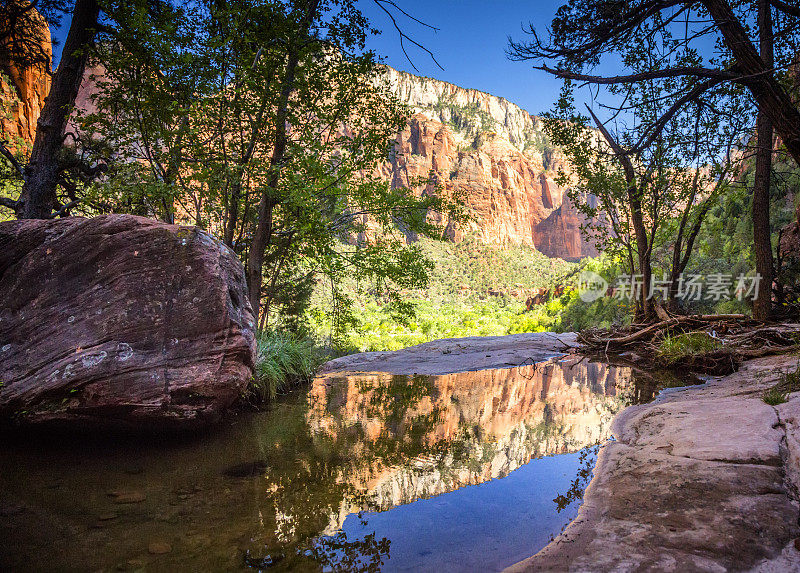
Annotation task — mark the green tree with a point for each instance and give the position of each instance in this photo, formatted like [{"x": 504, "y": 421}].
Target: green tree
[
  {"x": 655, "y": 194},
  {"x": 746, "y": 54},
  {"x": 264, "y": 122}
]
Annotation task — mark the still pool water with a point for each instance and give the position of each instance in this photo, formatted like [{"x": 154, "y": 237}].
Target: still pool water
[{"x": 470, "y": 471}]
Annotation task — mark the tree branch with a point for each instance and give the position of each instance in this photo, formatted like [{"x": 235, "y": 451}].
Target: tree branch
[
  {"x": 630, "y": 174},
  {"x": 698, "y": 72},
  {"x": 692, "y": 95},
  {"x": 13, "y": 160},
  {"x": 787, "y": 9},
  {"x": 403, "y": 35},
  {"x": 9, "y": 203},
  {"x": 64, "y": 210}
]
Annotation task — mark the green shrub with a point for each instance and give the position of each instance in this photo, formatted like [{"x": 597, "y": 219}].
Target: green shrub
[
  {"x": 774, "y": 396},
  {"x": 282, "y": 360},
  {"x": 790, "y": 381},
  {"x": 676, "y": 347}
]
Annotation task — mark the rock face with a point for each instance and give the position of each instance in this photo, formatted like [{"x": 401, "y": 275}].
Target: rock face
[
  {"x": 493, "y": 153},
  {"x": 22, "y": 98},
  {"x": 790, "y": 239},
  {"x": 703, "y": 479},
  {"x": 450, "y": 355},
  {"x": 560, "y": 235},
  {"x": 120, "y": 321}
]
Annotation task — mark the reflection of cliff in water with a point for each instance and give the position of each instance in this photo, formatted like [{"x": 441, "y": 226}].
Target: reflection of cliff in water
[{"x": 413, "y": 437}]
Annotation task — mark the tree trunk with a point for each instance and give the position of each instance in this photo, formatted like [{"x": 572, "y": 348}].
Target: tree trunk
[
  {"x": 43, "y": 170},
  {"x": 643, "y": 305},
  {"x": 762, "y": 305},
  {"x": 269, "y": 200},
  {"x": 774, "y": 101}
]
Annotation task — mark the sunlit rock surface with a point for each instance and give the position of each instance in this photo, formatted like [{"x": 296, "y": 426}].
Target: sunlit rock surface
[
  {"x": 120, "y": 320},
  {"x": 703, "y": 479},
  {"x": 449, "y": 355},
  {"x": 493, "y": 153}
]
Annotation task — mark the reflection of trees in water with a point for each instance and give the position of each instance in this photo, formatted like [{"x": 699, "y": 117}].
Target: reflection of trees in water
[
  {"x": 338, "y": 553},
  {"x": 332, "y": 553},
  {"x": 307, "y": 492},
  {"x": 586, "y": 461},
  {"x": 405, "y": 427}
]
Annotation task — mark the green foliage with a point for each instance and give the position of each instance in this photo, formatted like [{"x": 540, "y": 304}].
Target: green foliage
[
  {"x": 263, "y": 123},
  {"x": 281, "y": 361},
  {"x": 774, "y": 396},
  {"x": 676, "y": 347},
  {"x": 539, "y": 141},
  {"x": 788, "y": 384},
  {"x": 470, "y": 118},
  {"x": 726, "y": 243},
  {"x": 10, "y": 180},
  {"x": 472, "y": 269},
  {"x": 457, "y": 304}
]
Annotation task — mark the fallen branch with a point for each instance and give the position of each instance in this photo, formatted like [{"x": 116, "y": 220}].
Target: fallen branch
[{"x": 734, "y": 337}]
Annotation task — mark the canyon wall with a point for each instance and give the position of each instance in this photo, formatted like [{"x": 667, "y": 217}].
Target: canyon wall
[
  {"x": 495, "y": 154},
  {"x": 25, "y": 67}
]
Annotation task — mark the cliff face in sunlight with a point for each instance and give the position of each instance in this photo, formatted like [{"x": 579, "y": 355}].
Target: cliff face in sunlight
[
  {"x": 496, "y": 155},
  {"x": 496, "y": 421},
  {"x": 25, "y": 87}
]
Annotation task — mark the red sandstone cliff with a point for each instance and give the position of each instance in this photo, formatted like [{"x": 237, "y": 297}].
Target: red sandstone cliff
[
  {"x": 497, "y": 155},
  {"x": 26, "y": 84}
]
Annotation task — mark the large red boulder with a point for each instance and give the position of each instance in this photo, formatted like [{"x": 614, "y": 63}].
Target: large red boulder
[{"x": 120, "y": 321}]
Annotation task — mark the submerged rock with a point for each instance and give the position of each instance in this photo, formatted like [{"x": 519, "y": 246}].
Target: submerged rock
[{"x": 120, "y": 321}]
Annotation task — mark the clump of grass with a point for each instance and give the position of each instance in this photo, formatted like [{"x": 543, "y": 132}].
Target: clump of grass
[
  {"x": 281, "y": 361},
  {"x": 778, "y": 394},
  {"x": 774, "y": 396},
  {"x": 790, "y": 382},
  {"x": 679, "y": 346}
]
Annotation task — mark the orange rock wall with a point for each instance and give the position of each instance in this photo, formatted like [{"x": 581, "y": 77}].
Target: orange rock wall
[
  {"x": 22, "y": 96},
  {"x": 496, "y": 155}
]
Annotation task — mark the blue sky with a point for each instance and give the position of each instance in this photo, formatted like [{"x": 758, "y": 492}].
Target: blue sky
[{"x": 469, "y": 44}]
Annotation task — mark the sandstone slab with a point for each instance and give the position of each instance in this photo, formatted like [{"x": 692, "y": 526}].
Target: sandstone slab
[
  {"x": 700, "y": 480},
  {"x": 451, "y": 355},
  {"x": 120, "y": 320}
]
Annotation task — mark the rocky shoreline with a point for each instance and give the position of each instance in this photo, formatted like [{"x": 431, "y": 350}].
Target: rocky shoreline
[{"x": 703, "y": 479}]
